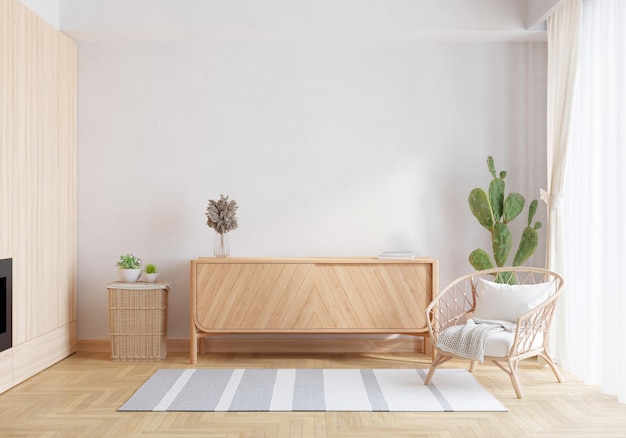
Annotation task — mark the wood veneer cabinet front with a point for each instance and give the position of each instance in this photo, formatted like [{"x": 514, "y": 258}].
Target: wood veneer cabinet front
[
  {"x": 309, "y": 295},
  {"x": 38, "y": 219}
]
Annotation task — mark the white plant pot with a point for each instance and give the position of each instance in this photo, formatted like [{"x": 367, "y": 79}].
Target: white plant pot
[
  {"x": 150, "y": 278},
  {"x": 129, "y": 275}
]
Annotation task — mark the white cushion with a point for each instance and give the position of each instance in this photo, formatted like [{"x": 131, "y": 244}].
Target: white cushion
[
  {"x": 499, "y": 344},
  {"x": 506, "y": 302}
]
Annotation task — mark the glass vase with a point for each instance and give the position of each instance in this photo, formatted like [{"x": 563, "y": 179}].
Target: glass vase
[{"x": 221, "y": 247}]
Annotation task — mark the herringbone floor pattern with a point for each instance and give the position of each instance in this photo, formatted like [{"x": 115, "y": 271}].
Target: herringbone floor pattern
[{"x": 79, "y": 397}]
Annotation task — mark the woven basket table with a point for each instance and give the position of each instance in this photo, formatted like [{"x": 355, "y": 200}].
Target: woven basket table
[{"x": 138, "y": 320}]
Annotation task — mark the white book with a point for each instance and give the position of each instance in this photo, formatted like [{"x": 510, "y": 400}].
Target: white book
[{"x": 397, "y": 255}]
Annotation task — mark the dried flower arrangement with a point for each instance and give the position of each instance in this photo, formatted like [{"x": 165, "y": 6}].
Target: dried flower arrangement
[{"x": 221, "y": 215}]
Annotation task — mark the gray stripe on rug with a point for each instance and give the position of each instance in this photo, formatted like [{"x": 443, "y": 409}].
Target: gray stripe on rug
[
  {"x": 255, "y": 390},
  {"x": 203, "y": 391},
  {"x": 436, "y": 393},
  {"x": 374, "y": 393},
  {"x": 171, "y": 395},
  {"x": 148, "y": 396},
  {"x": 308, "y": 391}
]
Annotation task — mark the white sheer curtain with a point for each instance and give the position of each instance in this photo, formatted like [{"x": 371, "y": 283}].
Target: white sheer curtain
[
  {"x": 595, "y": 203},
  {"x": 563, "y": 47}
]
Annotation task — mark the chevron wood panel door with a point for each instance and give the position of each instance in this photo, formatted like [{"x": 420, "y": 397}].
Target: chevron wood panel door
[
  {"x": 257, "y": 295},
  {"x": 373, "y": 296},
  {"x": 253, "y": 296}
]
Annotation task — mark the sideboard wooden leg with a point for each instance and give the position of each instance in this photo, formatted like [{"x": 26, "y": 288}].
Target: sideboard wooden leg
[{"x": 193, "y": 347}]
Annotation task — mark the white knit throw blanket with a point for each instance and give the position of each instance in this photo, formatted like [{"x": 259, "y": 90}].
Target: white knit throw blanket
[{"x": 469, "y": 340}]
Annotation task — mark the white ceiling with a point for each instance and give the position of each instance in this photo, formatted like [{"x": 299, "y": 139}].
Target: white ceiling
[{"x": 361, "y": 20}]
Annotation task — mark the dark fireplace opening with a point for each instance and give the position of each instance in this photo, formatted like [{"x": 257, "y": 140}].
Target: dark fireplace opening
[
  {"x": 3, "y": 304},
  {"x": 6, "y": 311}
]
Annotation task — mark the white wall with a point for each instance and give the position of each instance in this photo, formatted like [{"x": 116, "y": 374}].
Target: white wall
[
  {"x": 329, "y": 148},
  {"x": 49, "y": 10}
]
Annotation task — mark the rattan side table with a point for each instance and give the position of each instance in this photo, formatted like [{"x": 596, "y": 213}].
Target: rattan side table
[{"x": 138, "y": 320}]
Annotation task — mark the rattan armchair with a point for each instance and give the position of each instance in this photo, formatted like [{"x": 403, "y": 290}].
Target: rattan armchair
[{"x": 456, "y": 305}]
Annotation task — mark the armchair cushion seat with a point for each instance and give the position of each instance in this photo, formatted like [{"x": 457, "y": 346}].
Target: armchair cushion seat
[
  {"x": 499, "y": 344},
  {"x": 495, "y": 343},
  {"x": 469, "y": 340}
]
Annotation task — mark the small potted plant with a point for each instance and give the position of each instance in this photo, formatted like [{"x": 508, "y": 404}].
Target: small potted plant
[
  {"x": 150, "y": 273},
  {"x": 129, "y": 268}
]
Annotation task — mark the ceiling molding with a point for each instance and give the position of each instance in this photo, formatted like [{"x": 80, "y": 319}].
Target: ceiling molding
[
  {"x": 296, "y": 20},
  {"x": 538, "y": 11}
]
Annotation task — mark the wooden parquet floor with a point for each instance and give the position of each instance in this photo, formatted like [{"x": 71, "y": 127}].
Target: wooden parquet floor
[{"x": 79, "y": 397}]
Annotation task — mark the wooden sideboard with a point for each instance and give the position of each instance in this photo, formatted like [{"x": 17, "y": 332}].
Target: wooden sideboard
[{"x": 309, "y": 295}]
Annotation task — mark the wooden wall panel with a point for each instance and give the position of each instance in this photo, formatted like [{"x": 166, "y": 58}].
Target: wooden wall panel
[
  {"x": 39, "y": 353},
  {"x": 38, "y": 215},
  {"x": 6, "y": 370},
  {"x": 25, "y": 125},
  {"x": 6, "y": 128},
  {"x": 67, "y": 175},
  {"x": 44, "y": 168},
  {"x": 47, "y": 176}
]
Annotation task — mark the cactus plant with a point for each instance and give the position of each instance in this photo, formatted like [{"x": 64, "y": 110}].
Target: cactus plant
[{"x": 494, "y": 212}]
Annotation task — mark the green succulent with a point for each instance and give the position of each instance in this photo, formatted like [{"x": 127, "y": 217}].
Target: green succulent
[{"x": 129, "y": 261}]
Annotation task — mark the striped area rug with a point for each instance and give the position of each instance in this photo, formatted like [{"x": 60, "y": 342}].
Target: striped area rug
[
  {"x": 311, "y": 390},
  {"x": 261, "y": 390}
]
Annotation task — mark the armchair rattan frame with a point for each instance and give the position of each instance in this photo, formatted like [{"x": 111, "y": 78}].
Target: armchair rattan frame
[{"x": 455, "y": 304}]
